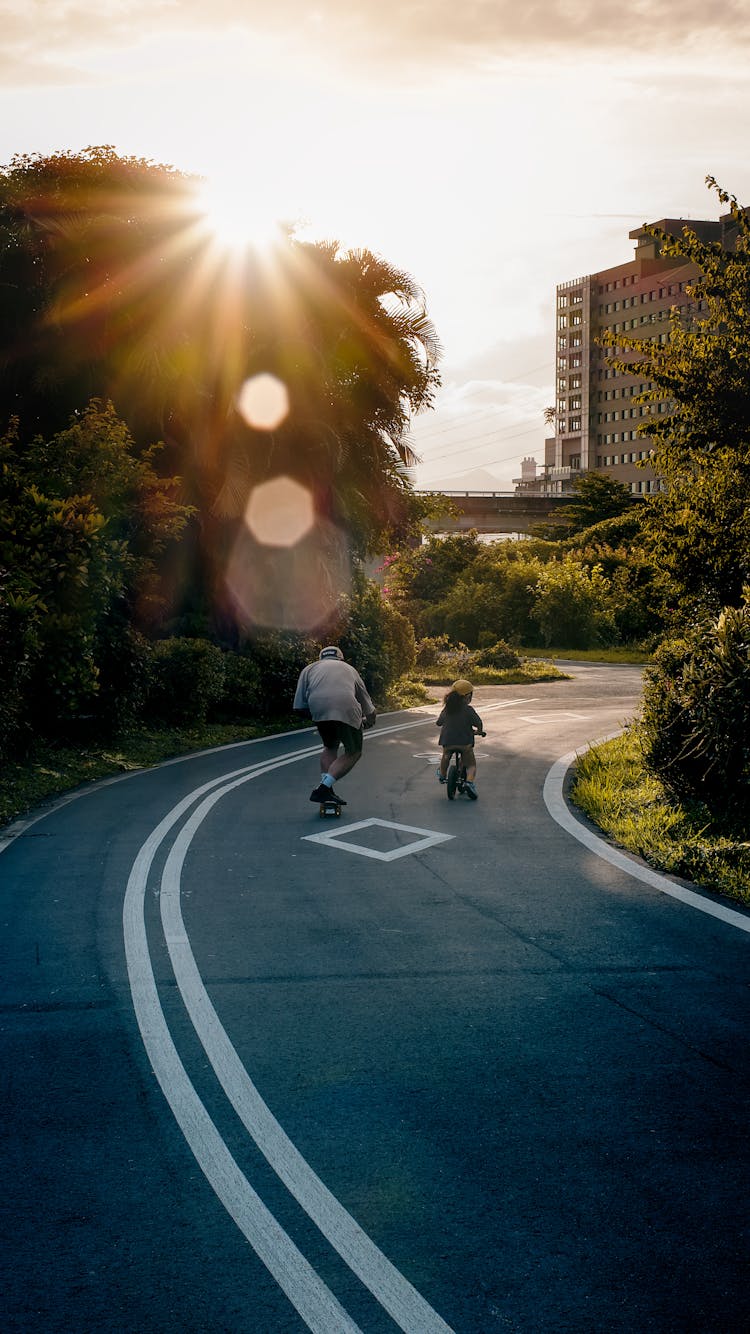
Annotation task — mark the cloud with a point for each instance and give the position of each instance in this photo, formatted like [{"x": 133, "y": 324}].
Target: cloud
[{"x": 385, "y": 33}]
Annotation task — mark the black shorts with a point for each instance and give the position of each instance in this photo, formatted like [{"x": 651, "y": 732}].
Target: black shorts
[{"x": 334, "y": 734}]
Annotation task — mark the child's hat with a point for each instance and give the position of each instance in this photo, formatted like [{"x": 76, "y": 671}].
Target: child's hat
[{"x": 462, "y": 687}]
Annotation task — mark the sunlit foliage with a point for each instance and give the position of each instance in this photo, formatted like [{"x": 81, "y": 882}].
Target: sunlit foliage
[{"x": 111, "y": 284}]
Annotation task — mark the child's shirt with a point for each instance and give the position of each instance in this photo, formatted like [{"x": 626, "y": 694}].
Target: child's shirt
[{"x": 456, "y": 728}]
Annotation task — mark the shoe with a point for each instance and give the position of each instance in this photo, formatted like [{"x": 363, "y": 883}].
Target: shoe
[
  {"x": 324, "y": 793},
  {"x": 470, "y": 790},
  {"x": 441, "y": 777}
]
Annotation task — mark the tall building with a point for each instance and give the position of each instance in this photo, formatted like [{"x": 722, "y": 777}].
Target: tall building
[{"x": 596, "y": 409}]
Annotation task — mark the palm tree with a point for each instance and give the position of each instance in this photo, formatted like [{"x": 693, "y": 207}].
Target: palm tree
[{"x": 112, "y": 287}]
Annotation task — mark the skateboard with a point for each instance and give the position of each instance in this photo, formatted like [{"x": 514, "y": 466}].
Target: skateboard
[{"x": 329, "y": 808}]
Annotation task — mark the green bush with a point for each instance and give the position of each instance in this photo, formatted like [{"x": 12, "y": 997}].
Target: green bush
[
  {"x": 450, "y": 661},
  {"x": 571, "y": 605},
  {"x": 241, "y": 696},
  {"x": 279, "y": 657},
  {"x": 18, "y": 617},
  {"x": 374, "y": 637},
  {"x": 187, "y": 680},
  {"x": 499, "y": 655},
  {"x": 429, "y": 650},
  {"x": 124, "y": 659},
  {"x": 696, "y": 716}
]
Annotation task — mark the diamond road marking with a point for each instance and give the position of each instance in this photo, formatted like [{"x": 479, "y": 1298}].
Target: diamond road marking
[{"x": 334, "y": 839}]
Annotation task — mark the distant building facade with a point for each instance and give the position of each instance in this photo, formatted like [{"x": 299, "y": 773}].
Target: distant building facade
[{"x": 596, "y": 409}]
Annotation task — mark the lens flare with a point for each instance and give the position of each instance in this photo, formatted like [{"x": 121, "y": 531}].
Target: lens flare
[
  {"x": 296, "y": 587},
  {"x": 263, "y": 402},
  {"x": 280, "y": 512}
]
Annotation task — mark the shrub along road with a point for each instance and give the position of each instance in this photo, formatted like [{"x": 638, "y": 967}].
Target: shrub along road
[{"x": 449, "y": 1071}]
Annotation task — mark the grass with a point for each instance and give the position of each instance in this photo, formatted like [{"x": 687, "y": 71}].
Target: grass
[
  {"x": 526, "y": 674},
  {"x": 618, "y": 654},
  {"x": 614, "y": 788},
  {"x": 50, "y": 770}
]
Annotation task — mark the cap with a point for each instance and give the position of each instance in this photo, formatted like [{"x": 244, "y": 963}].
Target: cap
[
  {"x": 330, "y": 652},
  {"x": 462, "y": 687}
]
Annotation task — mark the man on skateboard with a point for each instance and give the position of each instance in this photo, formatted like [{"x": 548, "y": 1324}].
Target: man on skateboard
[{"x": 333, "y": 694}]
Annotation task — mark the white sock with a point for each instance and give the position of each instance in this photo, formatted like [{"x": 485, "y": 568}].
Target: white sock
[{"x": 326, "y": 780}]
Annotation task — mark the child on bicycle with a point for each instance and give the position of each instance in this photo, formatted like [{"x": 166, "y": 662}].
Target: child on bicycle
[{"x": 459, "y": 723}]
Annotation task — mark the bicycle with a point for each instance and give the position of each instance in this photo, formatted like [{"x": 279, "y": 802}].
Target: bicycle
[{"x": 456, "y": 780}]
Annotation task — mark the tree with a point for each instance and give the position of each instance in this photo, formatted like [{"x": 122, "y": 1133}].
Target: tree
[
  {"x": 699, "y": 524},
  {"x": 83, "y": 526},
  {"x": 595, "y": 497},
  {"x": 375, "y": 636},
  {"x": 111, "y": 285}
]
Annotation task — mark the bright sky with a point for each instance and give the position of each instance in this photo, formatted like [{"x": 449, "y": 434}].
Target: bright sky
[{"x": 491, "y": 148}]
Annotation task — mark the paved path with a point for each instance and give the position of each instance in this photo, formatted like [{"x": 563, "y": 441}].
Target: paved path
[{"x": 444, "y": 1068}]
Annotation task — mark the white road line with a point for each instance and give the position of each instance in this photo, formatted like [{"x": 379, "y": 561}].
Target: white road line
[
  {"x": 406, "y": 1306},
  {"x": 20, "y": 827},
  {"x": 316, "y": 1304},
  {"x": 558, "y": 809},
  {"x": 508, "y": 703},
  {"x": 554, "y": 715}
]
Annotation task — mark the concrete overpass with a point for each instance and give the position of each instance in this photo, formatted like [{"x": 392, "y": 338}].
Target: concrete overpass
[{"x": 499, "y": 512}]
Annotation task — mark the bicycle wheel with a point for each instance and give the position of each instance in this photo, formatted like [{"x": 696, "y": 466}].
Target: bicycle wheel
[{"x": 452, "y": 783}]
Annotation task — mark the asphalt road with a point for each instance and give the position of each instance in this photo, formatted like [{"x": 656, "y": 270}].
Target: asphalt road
[{"x": 451, "y": 1071}]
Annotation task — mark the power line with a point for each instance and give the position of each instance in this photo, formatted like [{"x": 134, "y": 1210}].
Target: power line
[
  {"x": 474, "y": 442},
  {"x": 460, "y": 425},
  {"x": 440, "y": 430},
  {"x": 488, "y": 463},
  {"x": 519, "y": 374}
]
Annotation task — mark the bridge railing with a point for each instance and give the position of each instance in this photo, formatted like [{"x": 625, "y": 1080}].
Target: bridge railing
[{"x": 427, "y": 491}]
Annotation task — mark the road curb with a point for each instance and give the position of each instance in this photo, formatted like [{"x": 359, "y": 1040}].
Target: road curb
[{"x": 560, "y": 809}]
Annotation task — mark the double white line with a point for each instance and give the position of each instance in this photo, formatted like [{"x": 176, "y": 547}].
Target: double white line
[{"x": 316, "y": 1304}]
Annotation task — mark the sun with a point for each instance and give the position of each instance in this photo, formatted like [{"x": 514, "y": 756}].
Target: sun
[{"x": 236, "y": 217}]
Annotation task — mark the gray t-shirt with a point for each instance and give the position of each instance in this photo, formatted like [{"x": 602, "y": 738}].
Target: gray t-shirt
[{"x": 333, "y": 691}]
